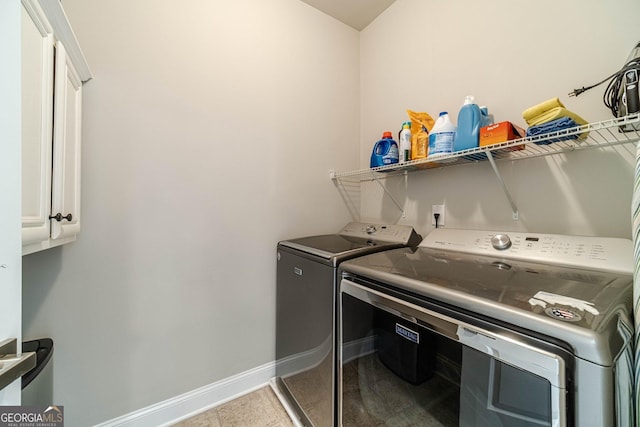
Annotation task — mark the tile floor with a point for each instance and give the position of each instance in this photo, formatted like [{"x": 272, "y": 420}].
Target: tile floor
[
  {"x": 374, "y": 396},
  {"x": 260, "y": 408}
]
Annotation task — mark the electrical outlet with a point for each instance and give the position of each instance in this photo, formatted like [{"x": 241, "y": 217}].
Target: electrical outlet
[{"x": 437, "y": 209}]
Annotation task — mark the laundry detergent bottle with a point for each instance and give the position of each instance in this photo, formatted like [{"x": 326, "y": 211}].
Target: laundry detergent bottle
[
  {"x": 442, "y": 136},
  {"x": 469, "y": 123},
  {"x": 385, "y": 151},
  {"x": 486, "y": 119}
]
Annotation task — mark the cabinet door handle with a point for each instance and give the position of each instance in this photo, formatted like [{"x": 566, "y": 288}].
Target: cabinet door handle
[{"x": 58, "y": 217}]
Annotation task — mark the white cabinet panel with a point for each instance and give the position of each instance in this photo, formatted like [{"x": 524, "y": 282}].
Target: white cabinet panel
[
  {"x": 66, "y": 148},
  {"x": 37, "y": 115}
]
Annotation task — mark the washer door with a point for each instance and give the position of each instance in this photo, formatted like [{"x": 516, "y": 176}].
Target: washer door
[{"x": 403, "y": 364}]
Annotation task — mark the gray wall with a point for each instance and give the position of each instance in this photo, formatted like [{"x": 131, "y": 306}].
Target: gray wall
[
  {"x": 427, "y": 56},
  {"x": 209, "y": 132}
]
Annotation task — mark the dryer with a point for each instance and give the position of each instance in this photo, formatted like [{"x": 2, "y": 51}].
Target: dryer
[{"x": 305, "y": 312}]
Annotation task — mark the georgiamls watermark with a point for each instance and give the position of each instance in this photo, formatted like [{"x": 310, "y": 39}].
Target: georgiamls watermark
[{"x": 31, "y": 416}]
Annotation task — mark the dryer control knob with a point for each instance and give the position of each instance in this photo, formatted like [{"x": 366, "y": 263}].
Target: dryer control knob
[
  {"x": 370, "y": 229},
  {"x": 501, "y": 242}
]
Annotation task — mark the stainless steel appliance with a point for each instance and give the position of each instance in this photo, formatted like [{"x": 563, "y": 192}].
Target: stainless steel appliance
[
  {"x": 477, "y": 328},
  {"x": 305, "y": 312}
]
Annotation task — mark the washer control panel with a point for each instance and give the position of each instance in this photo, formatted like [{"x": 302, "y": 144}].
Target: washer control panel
[
  {"x": 595, "y": 253},
  {"x": 382, "y": 232}
]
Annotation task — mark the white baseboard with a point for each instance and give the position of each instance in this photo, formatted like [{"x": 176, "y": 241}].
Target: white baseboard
[{"x": 193, "y": 402}]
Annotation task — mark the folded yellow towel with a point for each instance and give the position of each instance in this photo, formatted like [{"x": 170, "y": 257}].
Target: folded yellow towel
[
  {"x": 553, "y": 114},
  {"x": 549, "y": 110},
  {"x": 536, "y": 110}
]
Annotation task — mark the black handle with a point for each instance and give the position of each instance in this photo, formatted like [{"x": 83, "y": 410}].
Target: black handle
[{"x": 58, "y": 217}]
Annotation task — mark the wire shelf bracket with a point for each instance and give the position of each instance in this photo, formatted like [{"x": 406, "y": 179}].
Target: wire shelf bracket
[
  {"x": 393, "y": 199},
  {"x": 514, "y": 208}
]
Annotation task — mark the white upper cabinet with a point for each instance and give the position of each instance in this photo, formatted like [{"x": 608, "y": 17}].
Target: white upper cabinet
[{"x": 51, "y": 126}]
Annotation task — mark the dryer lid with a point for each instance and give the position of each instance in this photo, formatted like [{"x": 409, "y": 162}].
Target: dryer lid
[
  {"x": 356, "y": 237},
  {"x": 331, "y": 245}
]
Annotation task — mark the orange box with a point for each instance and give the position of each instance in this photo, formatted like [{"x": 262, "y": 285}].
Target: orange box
[{"x": 501, "y": 132}]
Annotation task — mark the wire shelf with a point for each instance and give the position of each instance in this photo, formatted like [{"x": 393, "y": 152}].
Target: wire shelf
[{"x": 598, "y": 134}]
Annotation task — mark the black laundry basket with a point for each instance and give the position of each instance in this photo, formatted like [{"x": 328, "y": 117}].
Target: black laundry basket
[{"x": 37, "y": 384}]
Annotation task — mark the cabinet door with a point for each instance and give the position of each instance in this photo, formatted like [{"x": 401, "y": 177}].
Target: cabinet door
[
  {"x": 65, "y": 198},
  {"x": 37, "y": 109}
]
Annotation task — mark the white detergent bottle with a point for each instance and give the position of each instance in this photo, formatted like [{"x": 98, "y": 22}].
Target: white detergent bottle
[
  {"x": 442, "y": 136},
  {"x": 404, "y": 139}
]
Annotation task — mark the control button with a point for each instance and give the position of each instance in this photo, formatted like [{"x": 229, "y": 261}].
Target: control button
[
  {"x": 370, "y": 229},
  {"x": 501, "y": 265},
  {"x": 501, "y": 242}
]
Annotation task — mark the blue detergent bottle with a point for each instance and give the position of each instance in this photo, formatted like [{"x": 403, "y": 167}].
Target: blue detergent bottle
[
  {"x": 469, "y": 124},
  {"x": 486, "y": 119},
  {"x": 385, "y": 152}
]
